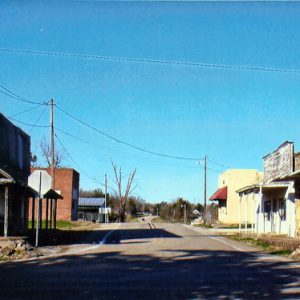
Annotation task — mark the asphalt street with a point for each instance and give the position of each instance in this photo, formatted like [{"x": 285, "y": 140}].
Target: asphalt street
[{"x": 160, "y": 261}]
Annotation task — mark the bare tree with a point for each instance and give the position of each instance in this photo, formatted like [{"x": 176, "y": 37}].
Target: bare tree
[
  {"x": 59, "y": 155},
  {"x": 33, "y": 160},
  {"x": 123, "y": 198}
]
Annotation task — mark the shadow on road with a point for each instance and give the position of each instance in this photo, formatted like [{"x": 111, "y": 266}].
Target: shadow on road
[
  {"x": 68, "y": 237},
  {"x": 184, "y": 275}
]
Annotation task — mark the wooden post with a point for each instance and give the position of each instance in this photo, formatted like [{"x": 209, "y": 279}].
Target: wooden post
[
  {"x": 253, "y": 211},
  {"x": 47, "y": 208},
  {"x": 6, "y": 212},
  {"x": 240, "y": 213},
  {"x": 55, "y": 208},
  {"x": 32, "y": 212},
  {"x": 51, "y": 213},
  {"x": 246, "y": 214}
]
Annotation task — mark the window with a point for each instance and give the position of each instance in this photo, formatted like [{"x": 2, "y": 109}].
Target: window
[
  {"x": 267, "y": 210},
  {"x": 223, "y": 207},
  {"x": 282, "y": 209}
]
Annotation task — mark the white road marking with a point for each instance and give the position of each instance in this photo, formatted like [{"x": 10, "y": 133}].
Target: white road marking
[
  {"x": 222, "y": 240},
  {"x": 100, "y": 243}
]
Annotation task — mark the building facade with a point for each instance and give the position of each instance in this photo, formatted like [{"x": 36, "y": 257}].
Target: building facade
[
  {"x": 67, "y": 185},
  {"x": 229, "y": 209},
  {"x": 14, "y": 172},
  {"x": 89, "y": 209},
  {"x": 279, "y": 211}
]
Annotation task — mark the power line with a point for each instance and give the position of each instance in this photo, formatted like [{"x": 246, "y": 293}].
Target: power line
[
  {"x": 152, "y": 61},
  {"x": 219, "y": 164},
  {"x": 131, "y": 156},
  {"x": 13, "y": 95},
  {"x": 24, "y": 111},
  {"x": 125, "y": 143},
  {"x": 27, "y": 124},
  {"x": 78, "y": 166},
  {"x": 37, "y": 120}
]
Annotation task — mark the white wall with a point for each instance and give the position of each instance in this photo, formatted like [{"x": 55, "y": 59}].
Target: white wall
[{"x": 275, "y": 224}]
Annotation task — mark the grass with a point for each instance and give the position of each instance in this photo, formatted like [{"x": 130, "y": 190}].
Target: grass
[
  {"x": 271, "y": 249},
  {"x": 159, "y": 220},
  {"x": 59, "y": 224},
  {"x": 284, "y": 252},
  {"x": 203, "y": 225},
  {"x": 132, "y": 219}
]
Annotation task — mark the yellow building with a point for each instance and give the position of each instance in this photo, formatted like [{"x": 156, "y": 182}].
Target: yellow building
[{"x": 229, "y": 211}]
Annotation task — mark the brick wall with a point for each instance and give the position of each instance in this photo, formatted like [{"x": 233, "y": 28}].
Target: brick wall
[{"x": 67, "y": 183}]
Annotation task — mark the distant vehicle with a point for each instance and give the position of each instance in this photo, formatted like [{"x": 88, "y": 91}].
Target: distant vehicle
[{"x": 143, "y": 219}]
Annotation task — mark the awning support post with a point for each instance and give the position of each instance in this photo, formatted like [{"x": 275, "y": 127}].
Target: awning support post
[{"x": 6, "y": 212}]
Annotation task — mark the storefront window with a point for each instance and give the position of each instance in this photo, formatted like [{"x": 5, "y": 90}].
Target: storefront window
[
  {"x": 267, "y": 210},
  {"x": 282, "y": 209}
]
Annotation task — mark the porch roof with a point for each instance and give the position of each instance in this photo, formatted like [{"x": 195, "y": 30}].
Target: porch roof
[
  {"x": 248, "y": 188},
  {"x": 29, "y": 192},
  {"x": 293, "y": 176},
  {"x": 274, "y": 187},
  {"x": 219, "y": 194}
]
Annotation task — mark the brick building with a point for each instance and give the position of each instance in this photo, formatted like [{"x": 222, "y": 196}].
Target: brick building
[{"x": 67, "y": 184}]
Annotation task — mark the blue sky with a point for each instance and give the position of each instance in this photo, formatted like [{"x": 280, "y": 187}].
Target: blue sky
[{"x": 235, "y": 116}]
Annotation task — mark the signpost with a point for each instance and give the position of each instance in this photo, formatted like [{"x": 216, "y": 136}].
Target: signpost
[{"x": 38, "y": 212}]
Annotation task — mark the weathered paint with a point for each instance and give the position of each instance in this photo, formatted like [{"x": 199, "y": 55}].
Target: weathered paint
[{"x": 279, "y": 163}]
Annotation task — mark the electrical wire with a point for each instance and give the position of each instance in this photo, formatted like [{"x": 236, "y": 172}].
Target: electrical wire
[
  {"x": 13, "y": 95},
  {"x": 78, "y": 166},
  {"x": 219, "y": 164},
  {"x": 24, "y": 111},
  {"x": 123, "y": 142},
  {"x": 152, "y": 61},
  {"x": 123, "y": 154},
  {"x": 27, "y": 124},
  {"x": 37, "y": 120}
]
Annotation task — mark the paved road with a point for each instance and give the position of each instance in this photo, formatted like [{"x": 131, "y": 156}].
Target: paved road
[{"x": 170, "y": 261}]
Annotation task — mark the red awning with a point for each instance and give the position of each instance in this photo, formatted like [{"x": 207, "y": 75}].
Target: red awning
[{"x": 220, "y": 194}]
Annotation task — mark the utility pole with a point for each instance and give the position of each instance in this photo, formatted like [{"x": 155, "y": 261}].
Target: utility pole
[
  {"x": 52, "y": 143},
  {"x": 52, "y": 207},
  {"x": 205, "y": 160},
  {"x": 105, "y": 205}
]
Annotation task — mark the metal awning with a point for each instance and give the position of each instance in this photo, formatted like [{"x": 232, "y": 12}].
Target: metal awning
[{"x": 220, "y": 194}]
